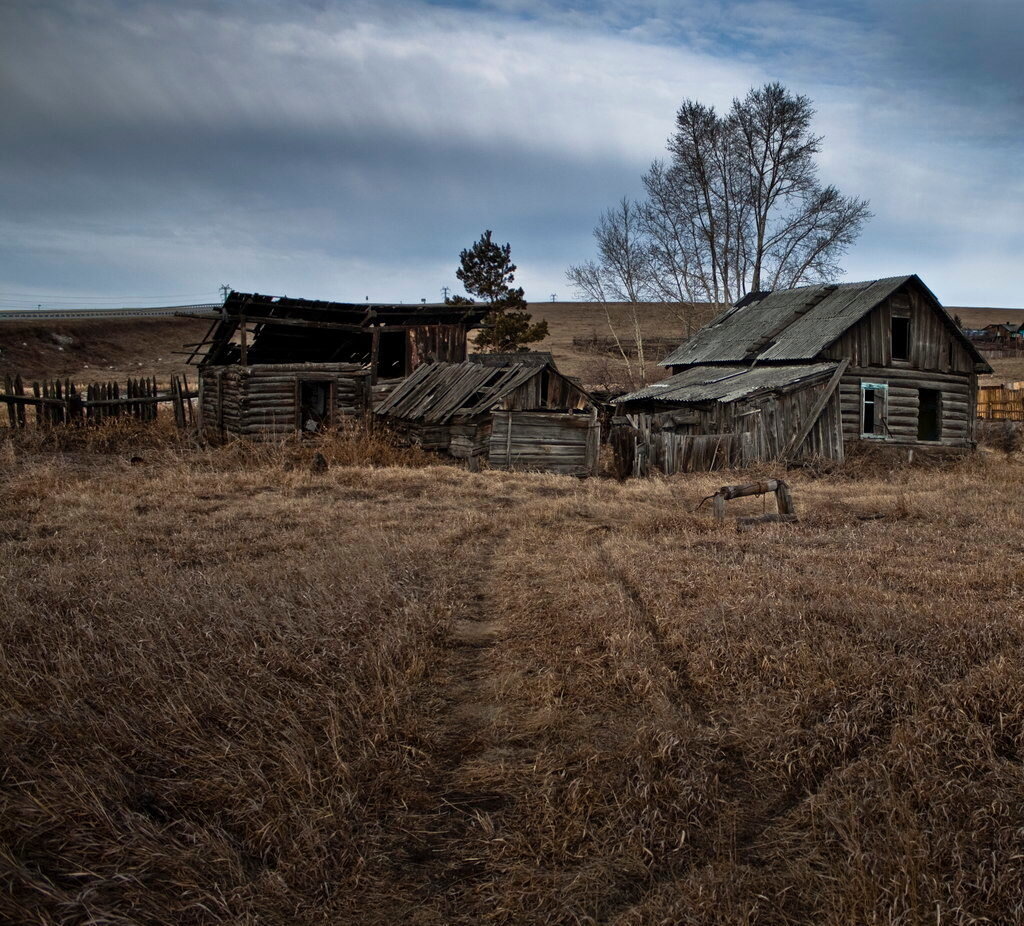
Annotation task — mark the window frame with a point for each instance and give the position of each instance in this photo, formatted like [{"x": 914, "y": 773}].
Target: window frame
[{"x": 880, "y": 418}]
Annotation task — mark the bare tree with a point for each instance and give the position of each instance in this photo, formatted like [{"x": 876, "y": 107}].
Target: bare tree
[
  {"x": 737, "y": 207},
  {"x": 622, "y": 274}
]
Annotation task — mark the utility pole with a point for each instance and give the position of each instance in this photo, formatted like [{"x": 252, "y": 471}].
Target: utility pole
[
  {"x": 444, "y": 292},
  {"x": 554, "y": 297},
  {"x": 225, "y": 291}
]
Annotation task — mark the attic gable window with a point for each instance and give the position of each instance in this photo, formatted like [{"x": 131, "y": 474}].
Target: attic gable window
[{"x": 900, "y": 337}]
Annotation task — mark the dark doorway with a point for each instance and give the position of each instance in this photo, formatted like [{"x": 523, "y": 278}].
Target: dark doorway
[
  {"x": 929, "y": 414},
  {"x": 391, "y": 355},
  {"x": 314, "y": 404}
]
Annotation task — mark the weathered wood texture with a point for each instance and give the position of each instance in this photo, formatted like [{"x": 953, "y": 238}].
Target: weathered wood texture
[
  {"x": 715, "y": 435},
  {"x": 547, "y": 422},
  {"x": 783, "y": 501},
  {"x": 262, "y": 401},
  {"x": 900, "y": 421},
  {"x": 1001, "y": 403},
  {"x": 62, "y": 402},
  {"x": 933, "y": 345},
  {"x": 553, "y": 442},
  {"x": 429, "y": 343}
]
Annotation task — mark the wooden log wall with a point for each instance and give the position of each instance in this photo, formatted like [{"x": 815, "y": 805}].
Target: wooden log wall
[
  {"x": 551, "y": 442},
  {"x": 262, "y": 401},
  {"x": 957, "y": 404}
]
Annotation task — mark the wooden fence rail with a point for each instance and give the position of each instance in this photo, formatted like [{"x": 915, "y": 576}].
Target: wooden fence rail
[{"x": 61, "y": 402}]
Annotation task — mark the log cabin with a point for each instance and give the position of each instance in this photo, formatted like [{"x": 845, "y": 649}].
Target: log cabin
[
  {"x": 517, "y": 411},
  {"x": 807, "y": 373},
  {"x": 271, "y": 365}
]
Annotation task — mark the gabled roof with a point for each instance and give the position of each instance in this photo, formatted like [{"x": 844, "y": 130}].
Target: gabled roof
[
  {"x": 795, "y": 324},
  {"x": 438, "y": 392},
  {"x": 727, "y": 383}
]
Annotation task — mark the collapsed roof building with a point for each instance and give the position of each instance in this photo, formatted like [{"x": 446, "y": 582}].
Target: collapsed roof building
[{"x": 272, "y": 365}]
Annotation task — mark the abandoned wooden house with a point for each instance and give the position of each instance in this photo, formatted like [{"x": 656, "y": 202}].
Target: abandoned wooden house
[
  {"x": 807, "y": 372},
  {"x": 516, "y": 415},
  {"x": 270, "y": 366}
]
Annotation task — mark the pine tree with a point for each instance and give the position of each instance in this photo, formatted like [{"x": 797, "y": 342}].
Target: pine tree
[{"x": 486, "y": 271}]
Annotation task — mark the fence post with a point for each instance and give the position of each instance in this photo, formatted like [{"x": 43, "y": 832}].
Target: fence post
[
  {"x": 188, "y": 400},
  {"x": 9, "y": 390}
]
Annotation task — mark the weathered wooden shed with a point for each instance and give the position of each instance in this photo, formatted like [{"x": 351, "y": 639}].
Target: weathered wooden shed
[
  {"x": 808, "y": 372},
  {"x": 269, "y": 366},
  {"x": 517, "y": 415}
]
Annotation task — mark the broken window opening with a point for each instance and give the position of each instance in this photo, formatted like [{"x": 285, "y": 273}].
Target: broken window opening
[
  {"x": 873, "y": 407},
  {"x": 316, "y": 404},
  {"x": 929, "y": 414},
  {"x": 391, "y": 360},
  {"x": 900, "y": 338}
]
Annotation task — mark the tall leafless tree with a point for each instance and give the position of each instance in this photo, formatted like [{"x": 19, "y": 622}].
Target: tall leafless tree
[
  {"x": 621, "y": 274},
  {"x": 738, "y": 207}
]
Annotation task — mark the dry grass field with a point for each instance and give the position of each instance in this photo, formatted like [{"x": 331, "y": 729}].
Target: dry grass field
[{"x": 234, "y": 690}]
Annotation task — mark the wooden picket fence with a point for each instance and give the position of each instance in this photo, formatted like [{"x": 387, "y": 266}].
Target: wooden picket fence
[
  {"x": 1001, "y": 403},
  {"x": 59, "y": 402}
]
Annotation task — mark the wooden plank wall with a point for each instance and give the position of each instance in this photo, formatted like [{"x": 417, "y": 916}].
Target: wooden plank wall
[
  {"x": 932, "y": 344},
  {"x": 551, "y": 442},
  {"x": 1001, "y": 403},
  {"x": 427, "y": 343},
  {"x": 552, "y": 391},
  {"x": 713, "y": 436}
]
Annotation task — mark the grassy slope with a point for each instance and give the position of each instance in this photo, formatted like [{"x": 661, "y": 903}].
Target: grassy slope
[
  {"x": 419, "y": 695},
  {"x": 97, "y": 350}
]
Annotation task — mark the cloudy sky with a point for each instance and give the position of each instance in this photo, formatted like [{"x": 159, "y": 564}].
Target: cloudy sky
[{"x": 343, "y": 149}]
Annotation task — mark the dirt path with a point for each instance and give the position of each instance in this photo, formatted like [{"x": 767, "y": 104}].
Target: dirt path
[{"x": 472, "y": 741}]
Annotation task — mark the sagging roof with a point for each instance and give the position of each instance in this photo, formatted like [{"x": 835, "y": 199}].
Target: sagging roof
[
  {"x": 794, "y": 324},
  {"x": 315, "y": 330},
  {"x": 438, "y": 392},
  {"x": 727, "y": 383}
]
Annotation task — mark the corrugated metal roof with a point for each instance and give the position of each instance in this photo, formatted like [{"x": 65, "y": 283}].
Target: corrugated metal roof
[
  {"x": 789, "y": 324},
  {"x": 535, "y": 358},
  {"x": 726, "y": 383}
]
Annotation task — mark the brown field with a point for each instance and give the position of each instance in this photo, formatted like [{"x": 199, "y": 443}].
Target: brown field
[
  {"x": 236, "y": 691},
  {"x": 89, "y": 350}
]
